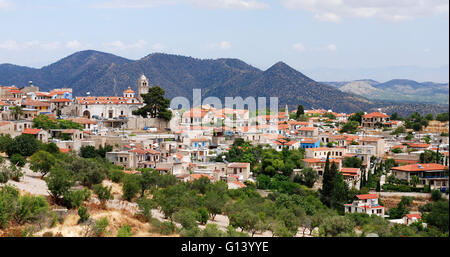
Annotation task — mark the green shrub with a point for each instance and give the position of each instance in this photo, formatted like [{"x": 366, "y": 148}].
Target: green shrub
[
  {"x": 436, "y": 195},
  {"x": 18, "y": 160},
  {"x": 31, "y": 208},
  {"x": 116, "y": 175},
  {"x": 167, "y": 228},
  {"x": 74, "y": 198},
  {"x": 83, "y": 213},
  {"x": 100, "y": 226},
  {"x": 125, "y": 231}
]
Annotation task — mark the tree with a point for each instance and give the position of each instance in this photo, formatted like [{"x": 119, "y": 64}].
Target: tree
[
  {"x": 214, "y": 203},
  {"x": 18, "y": 160},
  {"x": 328, "y": 182},
  {"x": 352, "y": 162},
  {"x": 203, "y": 215},
  {"x": 415, "y": 180},
  {"x": 340, "y": 189},
  {"x": 16, "y": 112},
  {"x": 336, "y": 226},
  {"x": 25, "y": 145},
  {"x": 187, "y": 218},
  {"x": 155, "y": 105},
  {"x": 147, "y": 179},
  {"x": 395, "y": 116},
  {"x": 130, "y": 187},
  {"x": 42, "y": 162},
  {"x": 429, "y": 116},
  {"x": 103, "y": 193},
  {"x": 349, "y": 127},
  {"x": 59, "y": 182},
  {"x": 356, "y": 117},
  {"x": 442, "y": 117},
  {"x": 309, "y": 177},
  {"x": 300, "y": 112},
  {"x": 438, "y": 215},
  {"x": 88, "y": 151}
]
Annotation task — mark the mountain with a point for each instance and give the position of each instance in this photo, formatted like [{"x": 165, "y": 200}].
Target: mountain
[
  {"x": 362, "y": 88},
  {"x": 107, "y": 74},
  {"x": 399, "y": 90}
]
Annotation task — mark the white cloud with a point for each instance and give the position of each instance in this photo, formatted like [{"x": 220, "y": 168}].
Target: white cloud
[
  {"x": 5, "y": 4},
  {"x": 224, "y": 45},
  {"x": 331, "y": 47},
  {"x": 427, "y": 50},
  {"x": 158, "y": 47},
  {"x": 398, "y": 10},
  {"x": 13, "y": 45},
  {"x": 119, "y": 45},
  {"x": 299, "y": 47},
  {"x": 74, "y": 45},
  {"x": 234, "y": 4}
]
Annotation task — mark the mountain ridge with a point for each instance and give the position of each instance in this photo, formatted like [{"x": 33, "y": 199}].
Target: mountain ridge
[{"x": 107, "y": 74}]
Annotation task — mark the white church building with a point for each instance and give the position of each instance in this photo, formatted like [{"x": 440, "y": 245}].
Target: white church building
[{"x": 112, "y": 107}]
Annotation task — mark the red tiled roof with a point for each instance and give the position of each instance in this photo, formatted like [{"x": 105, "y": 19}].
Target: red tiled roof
[
  {"x": 367, "y": 196},
  {"x": 411, "y": 216},
  {"x": 418, "y": 145},
  {"x": 375, "y": 115},
  {"x": 349, "y": 170},
  {"x": 420, "y": 167},
  {"x": 31, "y": 131}
]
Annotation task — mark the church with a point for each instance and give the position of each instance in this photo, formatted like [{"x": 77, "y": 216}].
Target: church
[{"x": 111, "y": 107}]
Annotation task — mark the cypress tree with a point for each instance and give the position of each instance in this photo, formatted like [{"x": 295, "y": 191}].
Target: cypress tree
[
  {"x": 300, "y": 111},
  {"x": 339, "y": 192},
  {"x": 328, "y": 181}
]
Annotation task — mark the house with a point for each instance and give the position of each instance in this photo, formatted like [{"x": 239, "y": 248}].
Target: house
[
  {"x": 241, "y": 169},
  {"x": 371, "y": 119},
  {"x": 308, "y": 131},
  {"x": 310, "y": 143},
  {"x": 39, "y": 134},
  {"x": 367, "y": 203},
  {"x": 123, "y": 158},
  {"x": 351, "y": 176},
  {"x": 432, "y": 174},
  {"x": 320, "y": 152},
  {"x": 408, "y": 219},
  {"x": 318, "y": 164},
  {"x": 378, "y": 142}
]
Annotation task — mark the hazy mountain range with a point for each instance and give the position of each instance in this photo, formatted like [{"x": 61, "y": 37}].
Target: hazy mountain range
[
  {"x": 106, "y": 74},
  {"x": 401, "y": 90}
]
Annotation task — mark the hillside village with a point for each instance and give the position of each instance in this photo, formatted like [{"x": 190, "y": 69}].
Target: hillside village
[{"x": 215, "y": 172}]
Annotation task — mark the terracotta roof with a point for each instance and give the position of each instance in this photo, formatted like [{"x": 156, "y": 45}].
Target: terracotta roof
[
  {"x": 31, "y": 131},
  {"x": 375, "y": 115},
  {"x": 418, "y": 145},
  {"x": 411, "y": 216},
  {"x": 64, "y": 150},
  {"x": 129, "y": 90},
  {"x": 309, "y": 140},
  {"x": 35, "y": 103},
  {"x": 199, "y": 140},
  {"x": 349, "y": 170},
  {"x": 307, "y": 128},
  {"x": 317, "y": 160},
  {"x": 367, "y": 196},
  {"x": 420, "y": 167}
]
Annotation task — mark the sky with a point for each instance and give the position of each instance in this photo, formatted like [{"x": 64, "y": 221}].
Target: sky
[{"x": 325, "y": 39}]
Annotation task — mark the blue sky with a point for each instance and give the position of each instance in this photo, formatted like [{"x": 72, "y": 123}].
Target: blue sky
[{"x": 326, "y": 39}]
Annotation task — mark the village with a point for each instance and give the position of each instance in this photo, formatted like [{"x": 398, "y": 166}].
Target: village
[{"x": 394, "y": 166}]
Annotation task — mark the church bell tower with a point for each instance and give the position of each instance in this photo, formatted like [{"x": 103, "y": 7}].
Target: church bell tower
[{"x": 142, "y": 86}]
